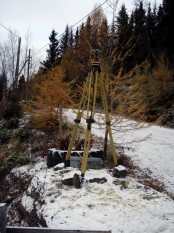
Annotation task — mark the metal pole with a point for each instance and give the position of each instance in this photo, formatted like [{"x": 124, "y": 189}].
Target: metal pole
[{"x": 2, "y": 218}]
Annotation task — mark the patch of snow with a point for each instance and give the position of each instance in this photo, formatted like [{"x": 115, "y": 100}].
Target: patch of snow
[
  {"x": 120, "y": 168},
  {"x": 27, "y": 202},
  {"x": 60, "y": 165}
]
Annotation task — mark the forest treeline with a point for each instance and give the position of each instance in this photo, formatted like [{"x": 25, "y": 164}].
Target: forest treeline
[
  {"x": 136, "y": 57},
  {"x": 146, "y": 34}
]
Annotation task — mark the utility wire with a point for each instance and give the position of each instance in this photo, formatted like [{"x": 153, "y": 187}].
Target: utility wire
[
  {"x": 9, "y": 30},
  {"x": 39, "y": 50}
]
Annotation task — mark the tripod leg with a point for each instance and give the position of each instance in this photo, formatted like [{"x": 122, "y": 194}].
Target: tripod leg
[
  {"x": 77, "y": 121},
  {"x": 90, "y": 120},
  {"x": 107, "y": 118}
]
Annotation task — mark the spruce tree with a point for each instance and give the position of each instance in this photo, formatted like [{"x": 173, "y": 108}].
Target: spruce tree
[
  {"x": 53, "y": 53},
  {"x": 64, "y": 41},
  {"x": 71, "y": 38},
  {"x": 123, "y": 37},
  {"x": 76, "y": 38},
  {"x": 168, "y": 21},
  {"x": 141, "y": 50},
  {"x": 151, "y": 20}
]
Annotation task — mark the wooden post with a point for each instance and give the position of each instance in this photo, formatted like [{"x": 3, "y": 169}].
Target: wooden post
[
  {"x": 2, "y": 218},
  {"x": 105, "y": 157},
  {"x": 60, "y": 120},
  {"x": 28, "y": 68},
  {"x": 28, "y": 76},
  {"x": 17, "y": 63}
]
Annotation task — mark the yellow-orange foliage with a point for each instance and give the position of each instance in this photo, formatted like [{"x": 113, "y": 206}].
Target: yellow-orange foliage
[
  {"x": 146, "y": 91},
  {"x": 52, "y": 91},
  {"x": 49, "y": 92},
  {"x": 162, "y": 81}
]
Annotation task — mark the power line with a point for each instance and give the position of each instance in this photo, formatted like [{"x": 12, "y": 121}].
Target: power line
[
  {"x": 9, "y": 30},
  {"x": 38, "y": 51}
]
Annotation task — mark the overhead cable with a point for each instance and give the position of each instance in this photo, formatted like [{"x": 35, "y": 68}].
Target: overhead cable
[
  {"x": 9, "y": 30},
  {"x": 39, "y": 50}
]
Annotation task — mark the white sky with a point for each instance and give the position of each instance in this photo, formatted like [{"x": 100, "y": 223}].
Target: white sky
[{"x": 39, "y": 17}]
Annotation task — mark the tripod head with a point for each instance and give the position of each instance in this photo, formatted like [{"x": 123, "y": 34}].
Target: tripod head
[
  {"x": 95, "y": 54},
  {"x": 95, "y": 64}
]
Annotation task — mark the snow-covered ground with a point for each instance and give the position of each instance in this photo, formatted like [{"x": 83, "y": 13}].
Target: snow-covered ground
[
  {"x": 150, "y": 147},
  {"x": 120, "y": 204}
]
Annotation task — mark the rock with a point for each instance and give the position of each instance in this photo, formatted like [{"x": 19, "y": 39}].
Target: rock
[
  {"x": 119, "y": 171},
  {"x": 76, "y": 181},
  {"x": 68, "y": 181},
  {"x": 98, "y": 180},
  {"x": 60, "y": 166}
]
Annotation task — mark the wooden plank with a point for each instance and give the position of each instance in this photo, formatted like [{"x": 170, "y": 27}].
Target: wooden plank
[
  {"x": 46, "y": 230},
  {"x": 2, "y": 218}
]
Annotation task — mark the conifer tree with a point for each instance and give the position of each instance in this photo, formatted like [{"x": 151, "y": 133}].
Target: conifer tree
[
  {"x": 124, "y": 39},
  {"x": 103, "y": 38},
  {"x": 64, "y": 41},
  {"x": 96, "y": 19},
  {"x": 141, "y": 50},
  {"x": 82, "y": 52},
  {"x": 151, "y": 24},
  {"x": 49, "y": 91},
  {"x": 76, "y": 38},
  {"x": 152, "y": 38},
  {"x": 168, "y": 20},
  {"x": 71, "y": 38},
  {"x": 53, "y": 53}
]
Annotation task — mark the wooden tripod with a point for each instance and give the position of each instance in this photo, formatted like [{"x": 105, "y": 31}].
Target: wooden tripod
[{"x": 94, "y": 80}]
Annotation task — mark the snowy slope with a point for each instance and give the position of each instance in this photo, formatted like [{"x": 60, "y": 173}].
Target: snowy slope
[{"x": 150, "y": 147}]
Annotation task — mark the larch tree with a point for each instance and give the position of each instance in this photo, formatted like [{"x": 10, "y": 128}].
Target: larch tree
[
  {"x": 96, "y": 19},
  {"x": 52, "y": 91},
  {"x": 49, "y": 92}
]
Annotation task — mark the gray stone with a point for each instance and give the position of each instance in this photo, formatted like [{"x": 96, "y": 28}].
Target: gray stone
[{"x": 119, "y": 171}]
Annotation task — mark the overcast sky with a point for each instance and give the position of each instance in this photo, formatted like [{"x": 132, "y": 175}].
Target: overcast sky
[{"x": 39, "y": 17}]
